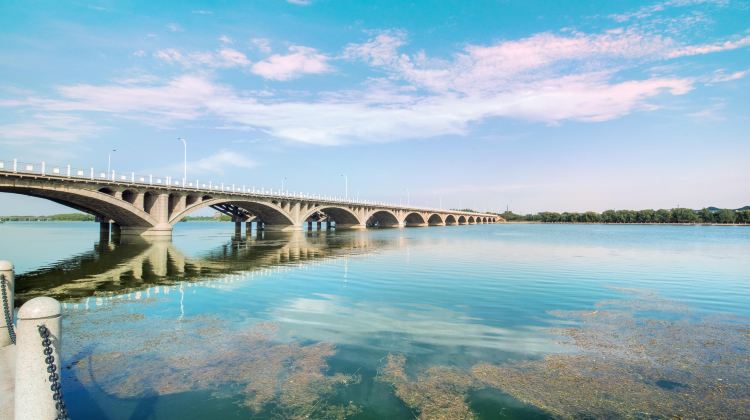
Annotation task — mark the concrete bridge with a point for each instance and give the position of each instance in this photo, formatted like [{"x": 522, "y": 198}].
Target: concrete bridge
[{"x": 151, "y": 206}]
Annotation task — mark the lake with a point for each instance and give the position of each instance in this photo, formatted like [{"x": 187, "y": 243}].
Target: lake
[{"x": 488, "y": 321}]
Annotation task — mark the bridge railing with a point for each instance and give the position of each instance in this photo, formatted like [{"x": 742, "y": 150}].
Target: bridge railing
[{"x": 111, "y": 175}]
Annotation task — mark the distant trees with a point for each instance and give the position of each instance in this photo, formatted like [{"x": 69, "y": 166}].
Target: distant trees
[{"x": 677, "y": 215}]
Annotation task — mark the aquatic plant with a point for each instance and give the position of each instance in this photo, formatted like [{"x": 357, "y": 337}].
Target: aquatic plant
[
  {"x": 287, "y": 378},
  {"x": 638, "y": 357}
]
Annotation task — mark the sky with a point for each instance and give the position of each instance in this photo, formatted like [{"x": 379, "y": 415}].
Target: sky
[{"x": 527, "y": 105}]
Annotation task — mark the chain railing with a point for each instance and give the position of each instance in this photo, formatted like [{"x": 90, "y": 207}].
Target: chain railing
[
  {"x": 110, "y": 175},
  {"x": 54, "y": 376},
  {"x": 6, "y": 309}
]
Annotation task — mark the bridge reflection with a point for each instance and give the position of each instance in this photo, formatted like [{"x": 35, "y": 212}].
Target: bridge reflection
[{"x": 120, "y": 268}]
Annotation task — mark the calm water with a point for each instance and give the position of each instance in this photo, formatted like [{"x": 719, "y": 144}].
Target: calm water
[{"x": 312, "y": 324}]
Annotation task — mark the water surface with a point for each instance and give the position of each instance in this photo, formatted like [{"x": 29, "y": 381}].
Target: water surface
[{"x": 380, "y": 323}]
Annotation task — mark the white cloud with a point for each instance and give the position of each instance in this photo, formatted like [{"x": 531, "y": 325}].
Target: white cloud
[
  {"x": 547, "y": 78},
  {"x": 219, "y": 162},
  {"x": 225, "y": 40},
  {"x": 721, "y": 76},
  {"x": 55, "y": 127},
  {"x": 224, "y": 58},
  {"x": 300, "y": 60},
  {"x": 379, "y": 51},
  {"x": 647, "y": 11},
  {"x": 262, "y": 44}
]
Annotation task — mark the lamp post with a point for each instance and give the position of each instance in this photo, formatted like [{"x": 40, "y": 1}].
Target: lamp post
[
  {"x": 346, "y": 186},
  {"x": 282, "y": 184},
  {"x": 184, "y": 168},
  {"x": 109, "y": 161}
]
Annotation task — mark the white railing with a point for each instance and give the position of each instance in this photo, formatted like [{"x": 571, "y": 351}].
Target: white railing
[{"x": 93, "y": 174}]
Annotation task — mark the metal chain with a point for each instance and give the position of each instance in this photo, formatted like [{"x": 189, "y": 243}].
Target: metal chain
[
  {"x": 54, "y": 377},
  {"x": 6, "y": 309}
]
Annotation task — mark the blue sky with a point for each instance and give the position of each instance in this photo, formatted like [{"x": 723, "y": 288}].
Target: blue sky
[{"x": 567, "y": 105}]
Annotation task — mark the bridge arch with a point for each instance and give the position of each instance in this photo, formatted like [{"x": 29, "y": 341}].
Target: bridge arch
[
  {"x": 102, "y": 205},
  {"x": 382, "y": 219},
  {"x": 450, "y": 220},
  {"x": 461, "y": 220},
  {"x": 435, "y": 220},
  {"x": 414, "y": 219},
  {"x": 268, "y": 213},
  {"x": 338, "y": 214},
  {"x": 471, "y": 220}
]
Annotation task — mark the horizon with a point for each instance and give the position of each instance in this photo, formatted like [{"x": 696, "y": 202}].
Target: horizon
[{"x": 534, "y": 106}]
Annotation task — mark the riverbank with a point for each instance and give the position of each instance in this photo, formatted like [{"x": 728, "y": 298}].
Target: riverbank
[{"x": 526, "y": 222}]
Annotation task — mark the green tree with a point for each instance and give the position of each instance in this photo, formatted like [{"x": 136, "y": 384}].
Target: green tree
[
  {"x": 726, "y": 216},
  {"x": 663, "y": 216},
  {"x": 681, "y": 215},
  {"x": 706, "y": 215}
]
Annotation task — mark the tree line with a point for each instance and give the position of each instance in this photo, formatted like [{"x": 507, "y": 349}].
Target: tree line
[
  {"x": 676, "y": 215},
  {"x": 64, "y": 217}
]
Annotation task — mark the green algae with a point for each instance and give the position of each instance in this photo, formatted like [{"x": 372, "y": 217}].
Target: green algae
[
  {"x": 638, "y": 357},
  {"x": 287, "y": 378}
]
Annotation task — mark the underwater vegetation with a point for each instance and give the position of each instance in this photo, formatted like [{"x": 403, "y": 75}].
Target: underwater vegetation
[
  {"x": 285, "y": 378},
  {"x": 639, "y": 357}
]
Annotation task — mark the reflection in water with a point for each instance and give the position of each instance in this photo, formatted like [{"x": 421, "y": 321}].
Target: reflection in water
[
  {"x": 303, "y": 325},
  {"x": 112, "y": 268}
]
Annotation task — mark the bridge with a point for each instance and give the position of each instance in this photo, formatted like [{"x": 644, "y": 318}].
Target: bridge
[{"x": 149, "y": 206}]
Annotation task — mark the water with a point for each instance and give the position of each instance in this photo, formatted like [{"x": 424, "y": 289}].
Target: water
[{"x": 350, "y": 324}]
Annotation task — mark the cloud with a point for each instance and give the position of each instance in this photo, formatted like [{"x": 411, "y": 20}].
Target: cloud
[
  {"x": 721, "y": 76},
  {"x": 223, "y": 58},
  {"x": 219, "y": 162},
  {"x": 300, "y": 2},
  {"x": 379, "y": 51},
  {"x": 647, "y": 11},
  {"x": 710, "y": 48},
  {"x": 262, "y": 44},
  {"x": 56, "y": 128},
  {"x": 300, "y": 60},
  {"x": 225, "y": 40},
  {"x": 546, "y": 77}
]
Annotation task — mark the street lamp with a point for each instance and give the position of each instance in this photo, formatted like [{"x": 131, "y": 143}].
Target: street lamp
[
  {"x": 184, "y": 168},
  {"x": 109, "y": 161},
  {"x": 346, "y": 186}
]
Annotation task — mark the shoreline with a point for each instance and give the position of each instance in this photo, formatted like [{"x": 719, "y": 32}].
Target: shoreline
[{"x": 526, "y": 222}]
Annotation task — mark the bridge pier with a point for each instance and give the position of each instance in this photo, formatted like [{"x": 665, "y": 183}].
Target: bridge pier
[
  {"x": 249, "y": 228},
  {"x": 319, "y": 223},
  {"x": 104, "y": 232},
  {"x": 238, "y": 228},
  {"x": 415, "y": 224}
]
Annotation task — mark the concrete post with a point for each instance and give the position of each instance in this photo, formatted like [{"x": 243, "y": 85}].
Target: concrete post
[
  {"x": 33, "y": 394},
  {"x": 237, "y": 228},
  {"x": 248, "y": 228},
  {"x": 319, "y": 224},
  {"x": 6, "y": 270}
]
